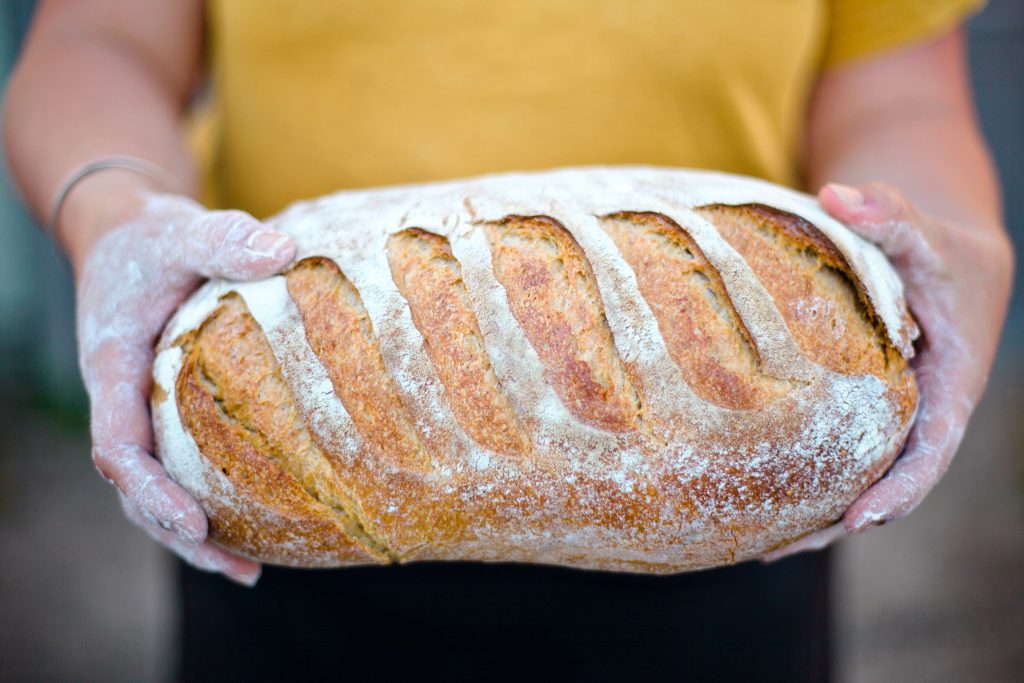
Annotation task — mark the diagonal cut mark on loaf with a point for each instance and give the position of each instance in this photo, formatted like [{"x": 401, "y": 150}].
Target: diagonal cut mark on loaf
[
  {"x": 823, "y": 302},
  {"x": 704, "y": 334},
  {"x": 553, "y": 295},
  {"x": 430, "y": 278},
  {"x": 236, "y": 366},
  {"x": 341, "y": 334},
  {"x": 265, "y": 509}
]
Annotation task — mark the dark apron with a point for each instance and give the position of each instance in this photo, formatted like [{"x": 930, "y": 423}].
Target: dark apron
[{"x": 480, "y": 622}]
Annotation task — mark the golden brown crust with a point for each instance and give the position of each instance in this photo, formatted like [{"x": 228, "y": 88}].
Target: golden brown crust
[
  {"x": 430, "y": 279},
  {"x": 553, "y": 295},
  {"x": 342, "y": 336},
  {"x": 820, "y": 296},
  {"x": 292, "y": 520},
  {"x": 702, "y": 331},
  {"x": 816, "y": 290}
]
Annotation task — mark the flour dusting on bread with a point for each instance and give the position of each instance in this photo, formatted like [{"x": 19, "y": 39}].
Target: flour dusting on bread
[{"x": 689, "y": 484}]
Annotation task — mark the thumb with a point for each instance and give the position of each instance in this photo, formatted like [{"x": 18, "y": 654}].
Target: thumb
[
  {"x": 235, "y": 246},
  {"x": 877, "y": 212}
]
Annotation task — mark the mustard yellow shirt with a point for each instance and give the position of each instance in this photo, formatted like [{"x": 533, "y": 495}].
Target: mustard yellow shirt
[{"x": 311, "y": 96}]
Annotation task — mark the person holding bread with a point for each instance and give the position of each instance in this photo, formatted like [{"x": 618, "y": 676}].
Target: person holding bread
[{"x": 150, "y": 190}]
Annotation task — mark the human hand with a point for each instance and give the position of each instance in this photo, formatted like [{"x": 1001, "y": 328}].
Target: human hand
[
  {"x": 129, "y": 284},
  {"x": 957, "y": 284}
]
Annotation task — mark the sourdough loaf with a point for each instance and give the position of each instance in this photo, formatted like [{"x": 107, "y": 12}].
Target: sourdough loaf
[{"x": 628, "y": 368}]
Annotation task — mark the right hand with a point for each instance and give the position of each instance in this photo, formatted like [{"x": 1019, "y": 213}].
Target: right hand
[{"x": 129, "y": 283}]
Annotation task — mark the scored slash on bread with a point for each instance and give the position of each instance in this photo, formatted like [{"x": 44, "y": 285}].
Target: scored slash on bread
[{"x": 628, "y": 369}]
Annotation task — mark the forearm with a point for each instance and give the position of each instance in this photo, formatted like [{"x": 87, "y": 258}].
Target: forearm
[
  {"x": 924, "y": 140},
  {"x": 937, "y": 159},
  {"x": 79, "y": 93}
]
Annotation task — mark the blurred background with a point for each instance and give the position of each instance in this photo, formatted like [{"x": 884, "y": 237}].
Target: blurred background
[{"x": 84, "y": 595}]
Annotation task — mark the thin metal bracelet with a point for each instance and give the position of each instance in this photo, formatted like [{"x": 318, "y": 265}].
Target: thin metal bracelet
[{"x": 124, "y": 161}]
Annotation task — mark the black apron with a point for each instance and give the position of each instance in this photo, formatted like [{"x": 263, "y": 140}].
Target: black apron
[{"x": 450, "y": 621}]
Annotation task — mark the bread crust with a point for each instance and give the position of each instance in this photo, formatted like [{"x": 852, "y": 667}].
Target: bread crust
[{"x": 624, "y": 419}]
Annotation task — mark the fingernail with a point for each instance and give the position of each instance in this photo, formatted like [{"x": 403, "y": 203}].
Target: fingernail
[
  {"x": 267, "y": 243},
  {"x": 866, "y": 522},
  {"x": 247, "y": 580},
  {"x": 847, "y": 194},
  {"x": 153, "y": 519}
]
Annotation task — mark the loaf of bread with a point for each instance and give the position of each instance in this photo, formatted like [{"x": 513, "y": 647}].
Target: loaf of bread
[{"x": 625, "y": 368}]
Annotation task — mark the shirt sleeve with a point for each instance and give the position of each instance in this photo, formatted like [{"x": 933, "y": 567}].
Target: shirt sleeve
[{"x": 859, "y": 28}]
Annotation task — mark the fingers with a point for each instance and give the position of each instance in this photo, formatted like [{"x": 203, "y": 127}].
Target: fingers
[
  {"x": 937, "y": 433},
  {"x": 141, "y": 479},
  {"x": 901, "y": 490},
  {"x": 236, "y": 246},
  {"x": 815, "y": 541},
  {"x": 144, "y": 482},
  {"x": 206, "y": 556},
  {"x": 122, "y": 441},
  {"x": 177, "y": 240},
  {"x": 870, "y": 203}
]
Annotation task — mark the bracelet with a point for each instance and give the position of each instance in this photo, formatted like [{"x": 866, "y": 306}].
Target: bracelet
[{"x": 131, "y": 163}]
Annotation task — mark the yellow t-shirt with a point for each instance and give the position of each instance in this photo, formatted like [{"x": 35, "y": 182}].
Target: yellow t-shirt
[{"x": 313, "y": 96}]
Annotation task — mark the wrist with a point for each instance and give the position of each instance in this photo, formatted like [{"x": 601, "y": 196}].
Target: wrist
[{"x": 97, "y": 204}]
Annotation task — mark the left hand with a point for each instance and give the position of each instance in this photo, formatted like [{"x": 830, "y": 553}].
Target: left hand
[
  {"x": 957, "y": 284},
  {"x": 130, "y": 281}
]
